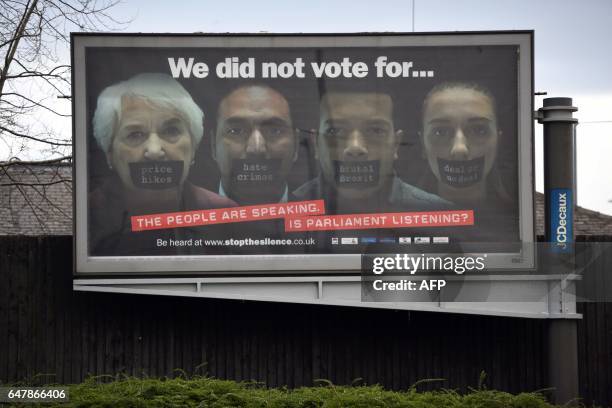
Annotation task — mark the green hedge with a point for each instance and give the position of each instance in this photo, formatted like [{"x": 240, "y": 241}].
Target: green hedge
[{"x": 214, "y": 393}]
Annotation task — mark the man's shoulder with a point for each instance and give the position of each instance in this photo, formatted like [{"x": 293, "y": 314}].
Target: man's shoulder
[
  {"x": 308, "y": 190},
  {"x": 201, "y": 198},
  {"x": 407, "y": 194}
]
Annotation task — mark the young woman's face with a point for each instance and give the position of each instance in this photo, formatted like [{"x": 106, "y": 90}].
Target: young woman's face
[{"x": 460, "y": 135}]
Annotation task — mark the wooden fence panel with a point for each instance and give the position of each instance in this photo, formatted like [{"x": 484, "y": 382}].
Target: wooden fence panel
[{"x": 49, "y": 331}]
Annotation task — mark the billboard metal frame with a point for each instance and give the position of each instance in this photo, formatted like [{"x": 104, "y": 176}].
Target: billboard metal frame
[
  {"x": 320, "y": 264},
  {"x": 555, "y": 294}
]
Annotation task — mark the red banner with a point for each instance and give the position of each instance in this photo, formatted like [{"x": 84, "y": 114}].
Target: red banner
[
  {"x": 380, "y": 220},
  {"x": 226, "y": 215}
]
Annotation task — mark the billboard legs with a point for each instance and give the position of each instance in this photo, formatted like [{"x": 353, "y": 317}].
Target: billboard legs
[
  {"x": 560, "y": 199},
  {"x": 563, "y": 359}
]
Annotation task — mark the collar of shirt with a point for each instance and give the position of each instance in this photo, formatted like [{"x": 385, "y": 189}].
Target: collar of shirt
[{"x": 283, "y": 199}]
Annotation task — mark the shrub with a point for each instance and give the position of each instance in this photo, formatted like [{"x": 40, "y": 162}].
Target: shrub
[{"x": 215, "y": 393}]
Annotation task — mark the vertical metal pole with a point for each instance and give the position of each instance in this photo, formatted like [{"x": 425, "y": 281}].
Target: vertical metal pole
[
  {"x": 560, "y": 199},
  {"x": 413, "y": 7}
]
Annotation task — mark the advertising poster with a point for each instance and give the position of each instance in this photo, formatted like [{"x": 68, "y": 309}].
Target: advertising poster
[{"x": 299, "y": 152}]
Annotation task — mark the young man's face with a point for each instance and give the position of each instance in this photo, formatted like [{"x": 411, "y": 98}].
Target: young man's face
[
  {"x": 255, "y": 145},
  {"x": 148, "y": 133},
  {"x": 356, "y": 143},
  {"x": 459, "y": 125}
]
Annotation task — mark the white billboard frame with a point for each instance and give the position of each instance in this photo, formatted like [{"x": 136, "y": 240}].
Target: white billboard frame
[{"x": 317, "y": 264}]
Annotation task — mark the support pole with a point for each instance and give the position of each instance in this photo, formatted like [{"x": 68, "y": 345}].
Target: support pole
[{"x": 560, "y": 199}]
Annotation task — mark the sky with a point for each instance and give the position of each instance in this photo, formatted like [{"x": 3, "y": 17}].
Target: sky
[{"x": 573, "y": 50}]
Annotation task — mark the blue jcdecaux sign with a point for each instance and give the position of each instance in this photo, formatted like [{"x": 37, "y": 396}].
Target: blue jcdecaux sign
[{"x": 561, "y": 228}]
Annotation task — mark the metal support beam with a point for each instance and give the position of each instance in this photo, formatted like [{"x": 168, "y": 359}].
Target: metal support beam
[
  {"x": 560, "y": 199},
  {"x": 543, "y": 295}
]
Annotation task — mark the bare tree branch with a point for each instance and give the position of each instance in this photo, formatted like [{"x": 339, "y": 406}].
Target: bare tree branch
[
  {"x": 37, "y": 162},
  {"x": 34, "y": 37},
  {"x": 17, "y": 37},
  {"x": 34, "y": 184},
  {"x": 28, "y": 201},
  {"x": 39, "y": 104},
  {"x": 2, "y": 128}
]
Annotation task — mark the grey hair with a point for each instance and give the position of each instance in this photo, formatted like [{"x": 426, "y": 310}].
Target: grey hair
[{"x": 160, "y": 89}]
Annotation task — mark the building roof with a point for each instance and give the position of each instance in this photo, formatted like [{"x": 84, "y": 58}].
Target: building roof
[
  {"x": 586, "y": 222},
  {"x": 37, "y": 200}
]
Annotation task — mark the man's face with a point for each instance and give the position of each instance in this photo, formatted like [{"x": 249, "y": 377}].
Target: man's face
[
  {"x": 459, "y": 125},
  {"x": 255, "y": 145},
  {"x": 356, "y": 133},
  {"x": 148, "y": 133}
]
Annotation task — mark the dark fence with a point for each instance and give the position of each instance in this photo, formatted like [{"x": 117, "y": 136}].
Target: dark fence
[
  {"x": 595, "y": 333},
  {"x": 48, "y": 333}
]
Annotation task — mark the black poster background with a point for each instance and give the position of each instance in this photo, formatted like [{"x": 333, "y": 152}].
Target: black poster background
[{"x": 493, "y": 67}]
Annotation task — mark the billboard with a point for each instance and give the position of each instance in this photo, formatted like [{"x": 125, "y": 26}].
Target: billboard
[{"x": 272, "y": 154}]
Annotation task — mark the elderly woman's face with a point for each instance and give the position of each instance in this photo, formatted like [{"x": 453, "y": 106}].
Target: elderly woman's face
[
  {"x": 459, "y": 126},
  {"x": 148, "y": 133}
]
